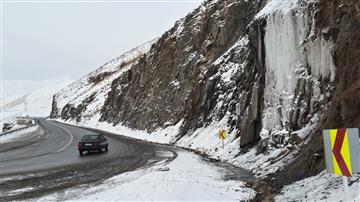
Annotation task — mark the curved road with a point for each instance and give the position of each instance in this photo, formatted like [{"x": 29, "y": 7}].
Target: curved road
[{"x": 49, "y": 161}]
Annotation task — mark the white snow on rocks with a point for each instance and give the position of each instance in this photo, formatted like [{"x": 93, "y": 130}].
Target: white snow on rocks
[
  {"x": 288, "y": 52},
  {"x": 227, "y": 71},
  {"x": 161, "y": 135},
  {"x": 83, "y": 88},
  {"x": 274, "y": 5}
]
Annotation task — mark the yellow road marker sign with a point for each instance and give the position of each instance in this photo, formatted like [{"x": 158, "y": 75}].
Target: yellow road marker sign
[{"x": 222, "y": 134}]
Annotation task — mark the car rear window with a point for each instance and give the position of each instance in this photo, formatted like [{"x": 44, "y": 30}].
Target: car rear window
[{"x": 89, "y": 137}]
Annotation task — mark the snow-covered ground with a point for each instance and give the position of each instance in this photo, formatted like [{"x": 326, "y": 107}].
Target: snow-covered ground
[
  {"x": 322, "y": 187},
  {"x": 187, "y": 178},
  {"x": 27, "y": 133},
  {"x": 33, "y": 98}
]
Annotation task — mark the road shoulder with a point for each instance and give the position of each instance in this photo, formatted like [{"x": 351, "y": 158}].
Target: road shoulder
[{"x": 188, "y": 177}]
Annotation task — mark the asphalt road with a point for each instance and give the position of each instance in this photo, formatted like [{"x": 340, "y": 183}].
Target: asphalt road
[{"x": 50, "y": 161}]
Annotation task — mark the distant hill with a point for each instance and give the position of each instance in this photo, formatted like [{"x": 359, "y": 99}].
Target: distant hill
[{"x": 33, "y": 98}]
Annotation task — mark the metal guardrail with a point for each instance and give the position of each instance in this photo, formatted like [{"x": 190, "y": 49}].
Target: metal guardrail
[{"x": 19, "y": 129}]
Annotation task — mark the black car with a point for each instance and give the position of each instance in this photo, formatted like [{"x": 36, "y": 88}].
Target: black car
[{"x": 93, "y": 142}]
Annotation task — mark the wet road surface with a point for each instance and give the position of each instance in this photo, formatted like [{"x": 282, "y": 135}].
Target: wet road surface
[{"x": 52, "y": 162}]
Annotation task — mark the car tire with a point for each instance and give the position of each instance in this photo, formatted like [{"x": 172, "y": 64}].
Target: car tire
[
  {"x": 81, "y": 153},
  {"x": 106, "y": 148},
  {"x": 100, "y": 150}
]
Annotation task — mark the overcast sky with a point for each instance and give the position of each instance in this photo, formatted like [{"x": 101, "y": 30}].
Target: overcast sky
[{"x": 48, "y": 40}]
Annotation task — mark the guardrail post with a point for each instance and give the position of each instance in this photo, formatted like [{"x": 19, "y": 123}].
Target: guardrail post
[{"x": 346, "y": 188}]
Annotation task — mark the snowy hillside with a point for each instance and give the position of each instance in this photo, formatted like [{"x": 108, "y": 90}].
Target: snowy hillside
[
  {"x": 271, "y": 73},
  {"x": 31, "y": 98},
  {"x": 93, "y": 88}
]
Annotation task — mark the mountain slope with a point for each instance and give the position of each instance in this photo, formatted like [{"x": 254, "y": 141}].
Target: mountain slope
[
  {"x": 270, "y": 73},
  {"x": 72, "y": 102}
]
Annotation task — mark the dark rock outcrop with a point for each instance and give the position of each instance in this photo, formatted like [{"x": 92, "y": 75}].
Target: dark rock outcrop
[{"x": 69, "y": 111}]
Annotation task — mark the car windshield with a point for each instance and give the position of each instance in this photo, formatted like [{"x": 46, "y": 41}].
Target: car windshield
[{"x": 89, "y": 137}]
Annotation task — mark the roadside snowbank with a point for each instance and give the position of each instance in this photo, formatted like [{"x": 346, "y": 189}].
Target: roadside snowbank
[
  {"x": 20, "y": 135},
  {"x": 322, "y": 187},
  {"x": 13, "y": 124},
  {"x": 185, "y": 178},
  {"x": 204, "y": 140}
]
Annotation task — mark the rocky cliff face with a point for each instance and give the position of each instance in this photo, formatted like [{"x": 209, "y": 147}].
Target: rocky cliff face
[
  {"x": 275, "y": 73},
  {"x": 195, "y": 71}
]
